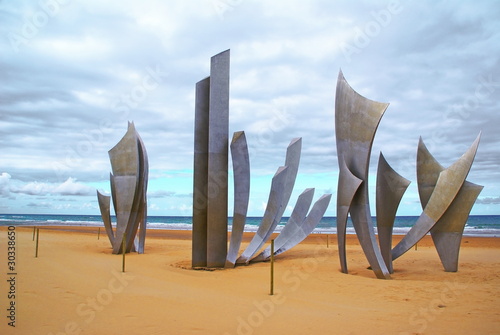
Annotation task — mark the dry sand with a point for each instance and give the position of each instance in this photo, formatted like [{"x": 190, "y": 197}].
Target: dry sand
[{"x": 76, "y": 286}]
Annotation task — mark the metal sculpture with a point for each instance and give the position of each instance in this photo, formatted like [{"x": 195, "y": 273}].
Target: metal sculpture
[
  {"x": 446, "y": 188},
  {"x": 210, "y": 182},
  {"x": 297, "y": 233},
  {"x": 447, "y": 232},
  {"x": 210, "y": 194},
  {"x": 317, "y": 212},
  {"x": 241, "y": 174},
  {"x": 389, "y": 191},
  {"x": 129, "y": 179},
  {"x": 281, "y": 189},
  {"x": 200, "y": 177},
  {"x": 270, "y": 219},
  {"x": 293, "y": 224},
  {"x": 104, "y": 206},
  {"x": 356, "y": 121},
  {"x": 142, "y": 215},
  {"x": 292, "y": 161},
  {"x": 349, "y": 185},
  {"x": 445, "y": 195}
]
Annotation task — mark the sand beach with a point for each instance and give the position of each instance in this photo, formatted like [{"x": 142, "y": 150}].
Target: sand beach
[{"x": 76, "y": 286}]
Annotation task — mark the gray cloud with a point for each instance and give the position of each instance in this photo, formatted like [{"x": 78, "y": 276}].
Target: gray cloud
[
  {"x": 64, "y": 101},
  {"x": 45, "y": 205},
  {"x": 68, "y": 188},
  {"x": 488, "y": 201},
  {"x": 168, "y": 194}
]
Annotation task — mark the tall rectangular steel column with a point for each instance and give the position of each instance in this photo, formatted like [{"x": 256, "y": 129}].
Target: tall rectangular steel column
[
  {"x": 200, "y": 177},
  {"x": 218, "y": 139}
]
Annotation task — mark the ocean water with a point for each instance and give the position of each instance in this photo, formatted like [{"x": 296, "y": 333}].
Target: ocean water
[{"x": 477, "y": 225}]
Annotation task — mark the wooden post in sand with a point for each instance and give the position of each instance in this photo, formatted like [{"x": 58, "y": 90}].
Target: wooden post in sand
[
  {"x": 123, "y": 251},
  {"x": 272, "y": 267},
  {"x": 416, "y": 246},
  {"x": 36, "y": 247},
  {"x": 99, "y": 233}
]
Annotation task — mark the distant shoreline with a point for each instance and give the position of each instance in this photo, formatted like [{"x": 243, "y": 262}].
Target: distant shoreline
[
  {"x": 250, "y": 230},
  {"x": 477, "y": 225}
]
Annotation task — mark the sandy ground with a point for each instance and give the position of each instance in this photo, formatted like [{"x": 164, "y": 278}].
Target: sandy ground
[{"x": 75, "y": 286}]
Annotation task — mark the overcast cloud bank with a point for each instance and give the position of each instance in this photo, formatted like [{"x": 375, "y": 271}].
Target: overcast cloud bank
[{"x": 74, "y": 72}]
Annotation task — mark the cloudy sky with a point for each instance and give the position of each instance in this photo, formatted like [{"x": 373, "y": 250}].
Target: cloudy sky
[{"x": 72, "y": 73}]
